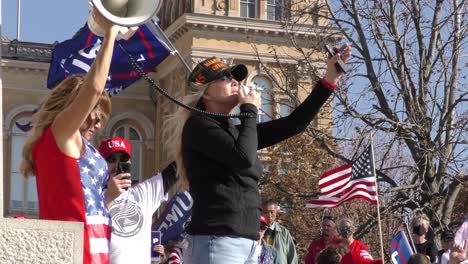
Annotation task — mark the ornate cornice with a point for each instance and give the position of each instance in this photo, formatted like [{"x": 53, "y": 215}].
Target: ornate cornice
[{"x": 242, "y": 25}]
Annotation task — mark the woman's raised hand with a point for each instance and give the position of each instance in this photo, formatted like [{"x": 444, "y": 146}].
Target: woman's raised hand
[{"x": 332, "y": 74}]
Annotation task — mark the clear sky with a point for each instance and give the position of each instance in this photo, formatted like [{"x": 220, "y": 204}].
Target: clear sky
[{"x": 44, "y": 21}]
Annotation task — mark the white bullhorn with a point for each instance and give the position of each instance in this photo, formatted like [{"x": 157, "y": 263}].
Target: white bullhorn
[{"x": 127, "y": 13}]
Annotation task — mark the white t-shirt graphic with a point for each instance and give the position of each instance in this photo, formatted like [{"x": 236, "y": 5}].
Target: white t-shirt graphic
[{"x": 131, "y": 214}]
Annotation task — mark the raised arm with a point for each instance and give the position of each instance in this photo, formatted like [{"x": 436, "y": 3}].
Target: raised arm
[
  {"x": 67, "y": 123},
  {"x": 275, "y": 131}
]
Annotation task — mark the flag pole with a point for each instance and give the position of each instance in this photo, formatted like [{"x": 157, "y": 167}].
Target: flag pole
[
  {"x": 410, "y": 236},
  {"x": 18, "y": 20},
  {"x": 174, "y": 51},
  {"x": 377, "y": 198}
]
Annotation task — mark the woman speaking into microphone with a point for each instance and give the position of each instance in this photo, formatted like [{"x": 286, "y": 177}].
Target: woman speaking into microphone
[{"x": 220, "y": 161}]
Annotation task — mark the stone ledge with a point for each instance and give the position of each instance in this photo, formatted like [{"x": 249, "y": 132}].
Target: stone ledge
[{"x": 40, "y": 241}]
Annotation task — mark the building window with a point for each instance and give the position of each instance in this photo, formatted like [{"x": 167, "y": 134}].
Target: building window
[
  {"x": 23, "y": 192},
  {"x": 274, "y": 9},
  {"x": 247, "y": 8},
  {"x": 284, "y": 109},
  {"x": 132, "y": 135},
  {"x": 263, "y": 86}
]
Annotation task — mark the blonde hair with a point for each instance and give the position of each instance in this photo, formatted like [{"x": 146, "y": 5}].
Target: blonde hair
[
  {"x": 173, "y": 128},
  {"x": 60, "y": 97},
  {"x": 420, "y": 218}
]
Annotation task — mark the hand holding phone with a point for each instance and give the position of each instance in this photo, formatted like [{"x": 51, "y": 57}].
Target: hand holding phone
[
  {"x": 340, "y": 65},
  {"x": 124, "y": 167}
]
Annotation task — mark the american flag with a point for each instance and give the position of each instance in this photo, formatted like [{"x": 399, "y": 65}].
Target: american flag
[
  {"x": 348, "y": 182},
  {"x": 94, "y": 176}
]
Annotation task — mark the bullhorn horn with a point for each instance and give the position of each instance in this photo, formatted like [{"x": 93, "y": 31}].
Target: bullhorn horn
[{"x": 126, "y": 13}]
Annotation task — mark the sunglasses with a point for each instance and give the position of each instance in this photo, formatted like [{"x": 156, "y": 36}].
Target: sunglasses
[
  {"x": 227, "y": 76},
  {"x": 112, "y": 158}
]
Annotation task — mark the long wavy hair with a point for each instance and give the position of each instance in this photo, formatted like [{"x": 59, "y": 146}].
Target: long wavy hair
[
  {"x": 60, "y": 97},
  {"x": 174, "y": 126}
]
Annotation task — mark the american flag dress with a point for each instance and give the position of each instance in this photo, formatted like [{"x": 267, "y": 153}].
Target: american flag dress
[{"x": 71, "y": 189}]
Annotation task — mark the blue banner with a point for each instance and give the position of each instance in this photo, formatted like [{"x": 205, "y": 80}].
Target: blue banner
[
  {"x": 75, "y": 56},
  {"x": 172, "y": 221},
  {"x": 400, "y": 249}
]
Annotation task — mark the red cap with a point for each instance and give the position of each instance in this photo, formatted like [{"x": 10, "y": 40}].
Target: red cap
[
  {"x": 111, "y": 145},
  {"x": 263, "y": 220}
]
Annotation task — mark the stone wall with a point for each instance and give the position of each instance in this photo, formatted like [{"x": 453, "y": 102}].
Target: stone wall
[{"x": 40, "y": 241}]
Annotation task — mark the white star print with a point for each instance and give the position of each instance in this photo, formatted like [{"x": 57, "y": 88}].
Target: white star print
[
  {"x": 90, "y": 202},
  {"x": 87, "y": 191},
  {"x": 85, "y": 170}
]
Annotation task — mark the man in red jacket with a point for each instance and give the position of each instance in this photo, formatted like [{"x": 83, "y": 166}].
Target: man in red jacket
[
  {"x": 358, "y": 252},
  {"x": 329, "y": 237}
]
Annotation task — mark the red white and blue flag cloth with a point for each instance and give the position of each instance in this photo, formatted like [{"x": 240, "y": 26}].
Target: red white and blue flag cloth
[
  {"x": 348, "y": 182},
  {"x": 400, "y": 249},
  {"x": 75, "y": 56},
  {"x": 172, "y": 222}
]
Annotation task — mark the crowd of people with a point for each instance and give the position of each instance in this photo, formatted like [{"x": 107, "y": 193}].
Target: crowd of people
[{"x": 214, "y": 158}]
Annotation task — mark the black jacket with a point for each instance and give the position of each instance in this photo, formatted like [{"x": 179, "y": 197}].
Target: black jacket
[{"x": 223, "y": 169}]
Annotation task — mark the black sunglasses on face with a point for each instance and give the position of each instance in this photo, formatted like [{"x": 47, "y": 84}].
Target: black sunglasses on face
[
  {"x": 112, "y": 158},
  {"x": 227, "y": 76}
]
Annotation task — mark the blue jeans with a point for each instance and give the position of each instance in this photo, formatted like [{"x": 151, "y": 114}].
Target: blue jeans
[{"x": 220, "y": 250}]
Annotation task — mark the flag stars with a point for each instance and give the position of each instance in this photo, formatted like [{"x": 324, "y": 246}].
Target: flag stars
[
  {"x": 91, "y": 202},
  {"x": 85, "y": 170},
  {"x": 101, "y": 172},
  {"x": 93, "y": 180},
  {"x": 92, "y": 161}
]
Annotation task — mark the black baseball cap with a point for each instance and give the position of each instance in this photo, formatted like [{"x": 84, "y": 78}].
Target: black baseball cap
[{"x": 213, "y": 68}]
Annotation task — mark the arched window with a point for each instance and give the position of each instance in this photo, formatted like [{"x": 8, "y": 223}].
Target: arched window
[
  {"x": 23, "y": 192},
  {"x": 284, "y": 108},
  {"x": 263, "y": 86},
  {"x": 132, "y": 134}
]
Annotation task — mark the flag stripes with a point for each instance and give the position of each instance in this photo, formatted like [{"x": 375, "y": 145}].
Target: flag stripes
[{"x": 348, "y": 182}]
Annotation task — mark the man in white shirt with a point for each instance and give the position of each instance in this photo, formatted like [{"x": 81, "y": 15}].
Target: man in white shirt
[{"x": 132, "y": 206}]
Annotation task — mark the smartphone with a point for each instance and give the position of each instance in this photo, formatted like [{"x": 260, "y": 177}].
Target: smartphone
[
  {"x": 340, "y": 65},
  {"x": 124, "y": 167}
]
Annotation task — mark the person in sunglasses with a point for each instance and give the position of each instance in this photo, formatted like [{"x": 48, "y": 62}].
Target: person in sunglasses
[
  {"x": 328, "y": 237},
  {"x": 132, "y": 206},
  {"x": 358, "y": 251},
  {"x": 219, "y": 160}
]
